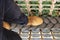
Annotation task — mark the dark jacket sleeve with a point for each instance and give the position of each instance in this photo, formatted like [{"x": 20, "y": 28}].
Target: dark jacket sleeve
[{"x": 13, "y": 13}]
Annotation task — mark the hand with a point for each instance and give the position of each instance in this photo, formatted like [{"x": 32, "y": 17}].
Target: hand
[
  {"x": 34, "y": 20},
  {"x": 6, "y": 25}
]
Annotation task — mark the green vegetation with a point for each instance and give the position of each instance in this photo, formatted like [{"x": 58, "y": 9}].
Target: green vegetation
[
  {"x": 54, "y": 13},
  {"x": 57, "y": 6},
  {"x": 20, "y": 2},
  {"x": 35, "y": 12},
  {"x": 46, "y": 6},
  {"x": 57, "y": 3},
  {"x": 34, "y": 7},
  {"x": 22, "y": 6},
  {"x": 46, "y": 2},
  {"x": 25, "y": 11},
  {"x": 33, "y": 2},
  {"x": 45, "y": 12}
]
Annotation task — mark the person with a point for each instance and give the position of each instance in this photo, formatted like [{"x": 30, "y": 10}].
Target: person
[{"x": 11, "y": 13}]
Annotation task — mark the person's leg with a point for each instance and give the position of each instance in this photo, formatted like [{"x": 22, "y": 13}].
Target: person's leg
[
  {"x": 10, "y": 35},
  {"x": 14, "y": 14},
  {"x": 1, "y": 17}
]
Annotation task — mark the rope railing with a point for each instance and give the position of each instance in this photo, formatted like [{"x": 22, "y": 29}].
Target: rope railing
[
  {"x": 52, "y": 6},
  {"x": 40, "y": 4}
]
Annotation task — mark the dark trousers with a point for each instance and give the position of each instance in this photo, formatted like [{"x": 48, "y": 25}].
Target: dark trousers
[{"x": 11, "y": 13}]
